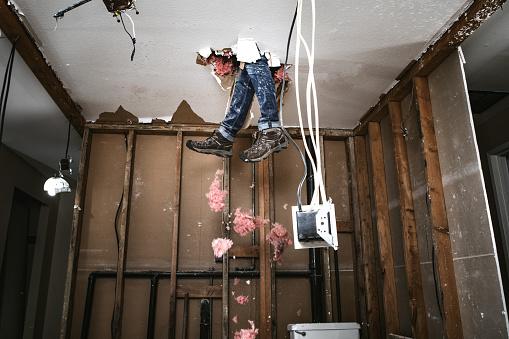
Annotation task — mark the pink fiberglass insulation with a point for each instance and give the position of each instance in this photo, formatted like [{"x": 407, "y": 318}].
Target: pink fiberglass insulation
[
  {"x": 221, "y": 246},
  {"x": 248, "y": 333},
  {"x": 216, "y": 195},
  {"x": 279, "y": 239},
  {"x": 242, "y": 299},
  {"x": 224, "y": 65},
  {"x": 244, "y": 223}
]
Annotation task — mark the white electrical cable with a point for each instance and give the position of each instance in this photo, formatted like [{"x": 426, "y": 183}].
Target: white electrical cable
[
  {"x": 297, "y": 92},
  {"x": 132, "y": 23},
  {"x": 311, "y": 94}
]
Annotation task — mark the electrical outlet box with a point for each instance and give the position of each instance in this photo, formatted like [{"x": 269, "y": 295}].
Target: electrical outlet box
[{"x": 314, "y": 226}]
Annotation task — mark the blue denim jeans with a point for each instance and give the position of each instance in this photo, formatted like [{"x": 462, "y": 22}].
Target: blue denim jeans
[{"x": 254, "y": 78}]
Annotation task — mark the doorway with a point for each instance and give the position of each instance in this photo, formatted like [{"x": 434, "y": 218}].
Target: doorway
[{"x": 17, "y": 263}]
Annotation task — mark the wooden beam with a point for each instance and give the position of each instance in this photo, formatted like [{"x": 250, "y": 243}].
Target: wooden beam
[
  {"x": 360, "y": 287},
  {"x": 383, "y": 228},
  {"x": 190, "y": 129},
  {"x": 265, "y": 258},
  {"x": 438, "y": 213},
  {"x": 244, "y": 251},
  {"x": 410, "y": 243},
  {"x": 14, "y": 28},
  {"x": 226, "y": 259},
  {"x": 272, "y": 267},
  {"x": 175, "y": 237},
  {"x": 367, "y": 243},
  {"x": 123, "y": 232},
  {"x": 326, "y": 266},
  {"x": 205, "y": 292},
  {"x": 74, "y": 244},
  {"x": 476, "y": 14}
]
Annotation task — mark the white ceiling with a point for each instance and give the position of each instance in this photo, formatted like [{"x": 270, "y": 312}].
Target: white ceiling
[
  {"x": 34, "y": 125},
  {"x": 362, "y": 45}
]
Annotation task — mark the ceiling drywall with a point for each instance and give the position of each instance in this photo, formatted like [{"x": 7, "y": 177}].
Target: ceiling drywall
[
  {"x": 361, "y": 46},
  {"x": 487, "y": 55},
  {"x": 34, "y": 125}
]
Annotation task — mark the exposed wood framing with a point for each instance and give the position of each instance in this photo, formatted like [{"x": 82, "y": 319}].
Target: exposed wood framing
[
  {"x": 123, "y": 232},
  {"x": 410, "y": 243},
  {"x": 360, "y": 287},
  {"x": 326, "y": 254},
  {"x": 478, "y": 12},
  {"x": 367, "y": 243},
  {"x": 175, "y": 237},
  {"x": 438, "y": 213},
  {"x": 205, "y": 128},
  {"x": 74, "y": 245},
  {"x": 383, "y": 228},
  {"x": 273, "y": 281},
  {"x": 226, "y": 259},
  {"x": 14, "y": 28},
  {"x": 265, "y": 259}
]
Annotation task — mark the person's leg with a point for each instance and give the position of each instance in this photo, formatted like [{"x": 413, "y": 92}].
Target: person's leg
[
  {"x": 241, "y": 100},
  {"x": 265, "y": 89},
  {"x": 220, "y": 143},
  {"x": 270, "y": 137}
]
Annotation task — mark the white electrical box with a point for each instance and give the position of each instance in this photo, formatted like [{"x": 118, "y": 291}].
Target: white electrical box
[{"x": 315, "y": 226}]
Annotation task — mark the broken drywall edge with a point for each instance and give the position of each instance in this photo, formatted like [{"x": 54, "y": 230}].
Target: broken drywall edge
[
  {"x": 121, "y": 116},
  {"x": 185, "y": 115}
]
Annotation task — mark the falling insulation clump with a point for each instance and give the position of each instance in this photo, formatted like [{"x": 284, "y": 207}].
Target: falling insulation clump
[
  {"x": 279, "y": 239},
  {"x": 216, "y": 195},
  {"x": 244, "y": 222},
  {"x": 242, "y": 299},
  {"x": 249, "y": 333},
  {"x": 221, "y": 246}
]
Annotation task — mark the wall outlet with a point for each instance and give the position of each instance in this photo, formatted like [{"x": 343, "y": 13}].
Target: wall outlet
[{"x": 314, "y": 226}]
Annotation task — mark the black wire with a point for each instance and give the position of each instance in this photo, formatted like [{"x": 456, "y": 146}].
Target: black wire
[
  {"x": 68, "y": 140},
  {"x": 133, "y": 40},
  {"x": 303, "y": 158},
  {"x": 6, "y": 88}
]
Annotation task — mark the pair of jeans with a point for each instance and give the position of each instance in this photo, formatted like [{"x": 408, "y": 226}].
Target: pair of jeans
[{"x": 254, "y": 78}]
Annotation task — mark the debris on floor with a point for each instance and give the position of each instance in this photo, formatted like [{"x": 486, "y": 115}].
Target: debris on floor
[
  {"x": 235, "y": 319},
  {"x": 216, "y": 195},
  {"x": 221, "y": 246},
  {"x": 279, "y": 238},
  {"x": 249, "y": 333}
]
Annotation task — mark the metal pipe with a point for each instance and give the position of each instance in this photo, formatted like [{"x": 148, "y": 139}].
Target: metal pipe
[
  {"x": 315, "y": 265},
  {"x": 200, "y": 274},
  {"x": 85, "y": 326},
  {"x": 186, "y": 316},
  {"x": 154, "y": 286},
  {"x": 338, "y": 288}
]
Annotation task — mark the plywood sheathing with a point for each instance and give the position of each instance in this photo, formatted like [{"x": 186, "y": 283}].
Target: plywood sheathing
[
  {"x": 14, "y": 28},
  {"x": 476, "y": 14}
]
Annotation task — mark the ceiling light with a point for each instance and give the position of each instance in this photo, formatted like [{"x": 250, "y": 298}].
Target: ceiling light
[{"x": 57, "y": 183}]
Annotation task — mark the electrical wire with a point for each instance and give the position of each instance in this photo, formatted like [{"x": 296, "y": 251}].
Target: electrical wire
[
  {"x": 68, "y": 140},
  {"x": 316, "y": 164},
  {"x": 287, "y": 135},
  {"x": 132, "y": 36},
  {"x": 6, "y": 86}
]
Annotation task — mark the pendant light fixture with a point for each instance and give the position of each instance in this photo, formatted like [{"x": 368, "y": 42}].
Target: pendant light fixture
[{"x": 57, "y": 183}]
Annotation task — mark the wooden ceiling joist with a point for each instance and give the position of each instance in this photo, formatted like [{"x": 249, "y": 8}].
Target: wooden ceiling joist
[
  {"x": 476, "y": 14},
  {"x": 13, "y": 27}
]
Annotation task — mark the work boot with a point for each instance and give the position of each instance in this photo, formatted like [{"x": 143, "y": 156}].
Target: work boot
[
  {"x": 215, "y": 144},
  {"x": 267, "y": 142}
]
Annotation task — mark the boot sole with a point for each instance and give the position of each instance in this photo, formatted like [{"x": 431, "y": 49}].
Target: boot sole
[
  {"x": 222, "y": 154},
  {"x": 277, "y": 149}
]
